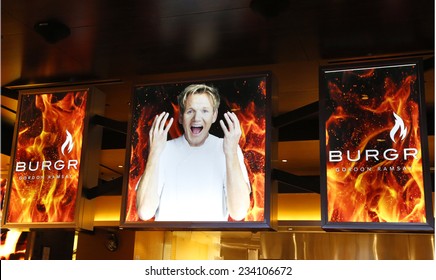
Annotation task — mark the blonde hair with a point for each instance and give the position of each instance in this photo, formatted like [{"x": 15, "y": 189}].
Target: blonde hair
[{"x": 198, "y": 89}]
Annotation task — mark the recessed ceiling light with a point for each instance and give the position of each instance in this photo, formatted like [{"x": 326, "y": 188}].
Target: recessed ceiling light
[{"x": 52, "y": 30}]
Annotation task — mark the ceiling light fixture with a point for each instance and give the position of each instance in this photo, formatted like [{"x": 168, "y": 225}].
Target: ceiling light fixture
[{"x": 52, "y": 30}]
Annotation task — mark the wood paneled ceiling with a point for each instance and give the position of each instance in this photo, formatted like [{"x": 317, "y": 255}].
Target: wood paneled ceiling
[{"x": 118, "y": 43}]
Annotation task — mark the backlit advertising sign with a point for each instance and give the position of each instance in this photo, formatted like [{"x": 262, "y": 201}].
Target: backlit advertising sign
[
  {"x": 47, "y": 158},
  {"x": 374, "y": 156},
  {"x": 199, "y": 161}
]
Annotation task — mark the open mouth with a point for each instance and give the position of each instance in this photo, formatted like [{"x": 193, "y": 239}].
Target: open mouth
[{"x": 196, "y": 129}]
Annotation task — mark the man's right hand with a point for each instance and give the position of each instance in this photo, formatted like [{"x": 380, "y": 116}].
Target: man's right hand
[
  {"x": 147, "y": 197},
  {"x": 158, "y": 134}
]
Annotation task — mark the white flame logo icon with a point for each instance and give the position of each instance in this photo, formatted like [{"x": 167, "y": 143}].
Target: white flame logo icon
[
  {"x": 68, "y": 142},
  {"x": 399, "y": 125}
]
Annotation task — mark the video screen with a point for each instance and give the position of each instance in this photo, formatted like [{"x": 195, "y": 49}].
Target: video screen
[
  {"x": 374, "y": 154},
  {"x": 198, "y": 154},
  {"x": 46, "y": 158}
]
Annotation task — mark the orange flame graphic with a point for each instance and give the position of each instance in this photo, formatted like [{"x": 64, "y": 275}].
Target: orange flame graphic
[
  {"x": 13, "y": 245},
  {"x": 377, "y": 179},
  {"x": 253, "y": 143},
  {"x": 3, "y": 183},
  {"x": 45, "y": 180}
]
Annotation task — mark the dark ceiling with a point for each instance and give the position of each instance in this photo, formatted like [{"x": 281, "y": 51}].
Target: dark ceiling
[
  {"x": 117, "y": 43},
  {"x": 112, "y": 39}
]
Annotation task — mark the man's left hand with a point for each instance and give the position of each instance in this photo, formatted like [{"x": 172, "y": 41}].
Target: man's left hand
[{"x": 232, "y": 133}]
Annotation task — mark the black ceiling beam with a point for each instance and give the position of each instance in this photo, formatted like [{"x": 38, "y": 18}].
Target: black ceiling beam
[
  {"x": 288, "y": 189},
  {"x": 10, "y": 93},
  {"x": 299, "y": 124},
  {"x": 430, "y": 120},
  {"x": 428, "y": 63},
  {"x": 114, "y": 132},
  {"x": 299, "y": 131},
  {"x": 120, "y": 127},
  {"x": 8, "y": 109},
  {"x": 113, "y": 140},
  {"x": 306, "y": 112},
  {"x": 310, "y": 184},
  {"x": 60, "y": 82},
  {"x": 7, "y": 131},
  {"x": 113, "y": 187}
]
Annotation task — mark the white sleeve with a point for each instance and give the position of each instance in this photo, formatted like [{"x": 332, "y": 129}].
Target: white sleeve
[{"x": 243, "y": 167}]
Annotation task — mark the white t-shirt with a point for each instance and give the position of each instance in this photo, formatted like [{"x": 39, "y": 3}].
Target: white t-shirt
[{"x": 192, "y": 181}]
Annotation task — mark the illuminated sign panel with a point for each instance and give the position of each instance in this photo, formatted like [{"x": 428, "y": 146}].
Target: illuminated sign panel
[
  {"x": 248, "y": 97},
  {"x": 374, "y": 154},
  {"x": 47, "y": 159}
]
